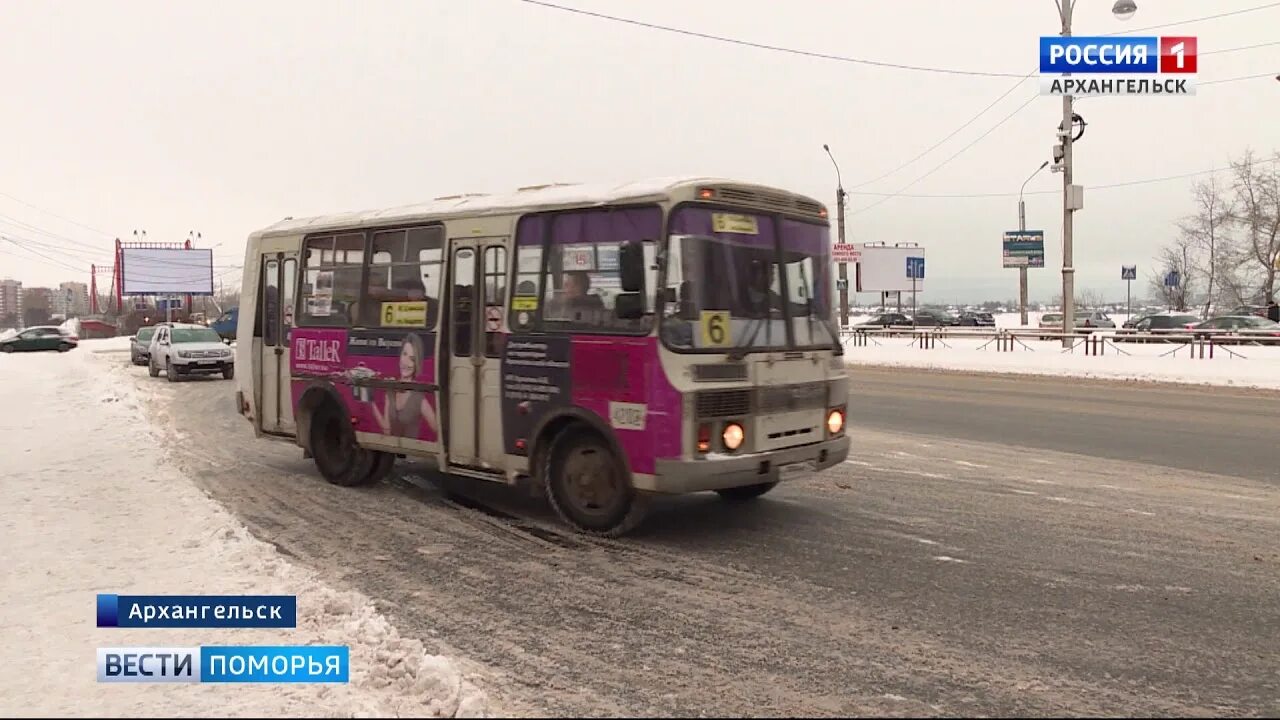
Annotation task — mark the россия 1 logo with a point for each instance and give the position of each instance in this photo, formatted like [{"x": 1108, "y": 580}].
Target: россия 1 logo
[{"x": 1084, "y": 65}]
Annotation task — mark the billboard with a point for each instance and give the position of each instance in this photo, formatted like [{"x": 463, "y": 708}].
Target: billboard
[
  {"x": 1024, "y": 249},
  {"x": 166, "y": 271},
  {"x": 883, "y": 268}
]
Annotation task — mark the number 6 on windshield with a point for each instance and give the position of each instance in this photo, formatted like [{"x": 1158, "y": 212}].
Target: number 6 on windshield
[{"x": 715, "y": 328}]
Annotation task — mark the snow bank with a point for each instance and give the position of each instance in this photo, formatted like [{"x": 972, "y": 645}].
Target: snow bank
[
  {"x": 91, "y": 505},
  {"x": 1259, "y": 367}
]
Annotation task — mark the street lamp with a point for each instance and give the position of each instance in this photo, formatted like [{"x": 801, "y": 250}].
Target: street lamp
[
  {"x": 1022, "y": 225},
  {"x": 844, "y": 267},
  {"x": 1124, "y": 9},
  {"x": 1072, "y": 197}
]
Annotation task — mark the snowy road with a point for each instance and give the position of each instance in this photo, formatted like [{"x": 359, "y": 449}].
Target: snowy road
[{"x": 929, "y": 575}]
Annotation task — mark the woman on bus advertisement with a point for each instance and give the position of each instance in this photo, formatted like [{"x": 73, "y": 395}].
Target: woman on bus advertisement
[{"x": 407, "y": 413}]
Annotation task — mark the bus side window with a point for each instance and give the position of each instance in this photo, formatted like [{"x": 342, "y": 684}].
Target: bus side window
[
  {"x": 495, "y": 287},
  {"x": 330, "y": 290},
  {"x": 527, "y": 298},
  {"x": 464, "y": 281},
  {"x": 403, "y": 279}
]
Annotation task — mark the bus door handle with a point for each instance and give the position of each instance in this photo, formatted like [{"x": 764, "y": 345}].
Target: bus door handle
[{"x": 279, "y": 351}]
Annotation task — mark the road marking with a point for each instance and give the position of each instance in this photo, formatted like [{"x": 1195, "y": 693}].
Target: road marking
[
  {"x": 1024, "y": 492},
  {"x": 969, "y": 464},
  {"x": 948, "y": 558}
]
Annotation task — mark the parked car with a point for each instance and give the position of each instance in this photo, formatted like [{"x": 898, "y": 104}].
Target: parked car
[
  {"x": 977, "y": 319},
  {"x": 43, "y": 337},
  {"x": 1173, "y": 324},
  {"x": 140, "y": 345},
  {"x": 1259, "y": 310},
  {"x": 935, "y": 318},
  {"x": 894, "y": 319},
  {"x": 183, "y": 349},
  {"x": 225, "y": 325},
  {"x": 1244, "y": 325}
]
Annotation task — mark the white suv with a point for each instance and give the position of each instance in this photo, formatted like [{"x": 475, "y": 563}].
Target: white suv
[{"x": 181, "y": 349}]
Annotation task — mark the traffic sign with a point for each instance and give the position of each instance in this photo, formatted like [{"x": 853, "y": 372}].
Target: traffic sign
[
  {"x": 1128, "y": 272},
  {"x": 1172, "y": 279},
  {"x": 842, "y": 284},
  {"x": 915, "y": 268},
  {"x": 845, "y": 253}
]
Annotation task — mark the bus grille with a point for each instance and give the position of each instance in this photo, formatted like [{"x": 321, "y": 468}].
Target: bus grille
[
  {"x": 719, "y": 371},
  {"x": 786, "y": 398},
  {"x": 724, "y": 403}
]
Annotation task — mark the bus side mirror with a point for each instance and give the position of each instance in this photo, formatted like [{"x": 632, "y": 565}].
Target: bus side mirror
[
  {"x": 631, "y": 266},
  {"x": 629, "y": 306}
]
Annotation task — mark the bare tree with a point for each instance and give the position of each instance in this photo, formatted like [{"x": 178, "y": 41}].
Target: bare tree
[
  {"x": 1257, "y": 197},
  {"x": 1178, "y": 256},
  {"x": 1207, "y": 231}
]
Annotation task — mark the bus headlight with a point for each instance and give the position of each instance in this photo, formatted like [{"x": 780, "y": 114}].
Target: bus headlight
[
  {"x": 835, "y": 421},
  {"x": 733, "y": 436}
]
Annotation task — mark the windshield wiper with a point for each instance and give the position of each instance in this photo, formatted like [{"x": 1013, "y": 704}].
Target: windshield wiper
[{"x": 739, "y": 351}]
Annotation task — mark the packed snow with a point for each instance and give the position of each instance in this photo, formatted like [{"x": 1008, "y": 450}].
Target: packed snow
[
  {"x": 92, "y": 506},
  {"x": 1252, "y": 366}
]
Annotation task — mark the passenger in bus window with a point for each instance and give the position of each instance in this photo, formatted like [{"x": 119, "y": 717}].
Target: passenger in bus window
[
  {"x": 404, "y": 411},
  {"x": 575, "y": 300}
]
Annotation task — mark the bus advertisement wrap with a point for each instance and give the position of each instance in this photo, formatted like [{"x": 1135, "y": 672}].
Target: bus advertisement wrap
[
  {"x": 617, "y": 379},
  {"x": 387, "y": 377}
]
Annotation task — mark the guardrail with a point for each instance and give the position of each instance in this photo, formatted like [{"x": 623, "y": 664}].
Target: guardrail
[{"x": 1201, "y": 344}]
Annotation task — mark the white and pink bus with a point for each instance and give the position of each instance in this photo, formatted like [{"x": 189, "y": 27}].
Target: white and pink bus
[{"x": 609, "y": 343}]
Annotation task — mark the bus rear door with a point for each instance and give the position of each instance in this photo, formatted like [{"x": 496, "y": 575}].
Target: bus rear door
[
  {"x": 276, "y": 294},
  {"x": 477, "y": 287}
]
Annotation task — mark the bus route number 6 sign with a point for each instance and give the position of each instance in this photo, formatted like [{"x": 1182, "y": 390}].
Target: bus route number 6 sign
[{"x": 715, "y": 328}]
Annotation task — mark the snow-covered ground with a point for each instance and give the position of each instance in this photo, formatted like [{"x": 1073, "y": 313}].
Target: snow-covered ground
[
  {"x": 91, "y": 505},
  {"x": 1255, "y": 366}
]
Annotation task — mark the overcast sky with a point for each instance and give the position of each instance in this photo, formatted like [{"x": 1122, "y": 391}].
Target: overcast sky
[{"x": 225, "y": 117}]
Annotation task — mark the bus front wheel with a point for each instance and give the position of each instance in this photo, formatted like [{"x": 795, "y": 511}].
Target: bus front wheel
[
  {"x": 588, "y": 486},
  {"x": 333, "y": 447}
]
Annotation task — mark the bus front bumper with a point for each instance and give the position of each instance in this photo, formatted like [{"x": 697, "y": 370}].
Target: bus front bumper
[{"x": 719, "y": 472}]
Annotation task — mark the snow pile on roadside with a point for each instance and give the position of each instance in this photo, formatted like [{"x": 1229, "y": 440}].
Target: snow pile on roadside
[
  {"x": 91, "y": 506},
  {"x": 1258, "y": 367}
]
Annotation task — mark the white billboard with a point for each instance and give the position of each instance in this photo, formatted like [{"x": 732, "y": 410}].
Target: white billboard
[
  {"x": 883, "y": 268},
  {"x": 166, "y": 271}
]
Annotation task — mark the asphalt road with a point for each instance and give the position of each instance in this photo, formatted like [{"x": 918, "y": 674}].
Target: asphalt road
[
  {"x": 1206, "y": 429},
  {"x": 960, "y": 564}
]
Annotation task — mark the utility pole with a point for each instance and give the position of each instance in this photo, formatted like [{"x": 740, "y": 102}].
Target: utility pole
[
  {"x": 1068, "y": 269},
  {"x": 844, "y": 267}
]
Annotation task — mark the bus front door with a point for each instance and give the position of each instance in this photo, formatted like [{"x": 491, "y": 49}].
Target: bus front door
[
  {"x": 477, "y": 287},
  {"x": 276, "y": 291}
]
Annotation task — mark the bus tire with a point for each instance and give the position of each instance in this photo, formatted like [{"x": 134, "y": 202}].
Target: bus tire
[
  {"x": 380, "y": 467},
  {"x": 587, "y": 485},
  {"x": 746, "y": 492},
  {"x": 333, "y": 447}
]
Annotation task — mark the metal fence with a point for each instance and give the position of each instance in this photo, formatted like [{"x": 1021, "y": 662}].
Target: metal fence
[{"x": 1200, "y": 344}]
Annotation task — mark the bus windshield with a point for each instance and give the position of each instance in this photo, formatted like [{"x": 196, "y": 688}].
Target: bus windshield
[{"x": 745, "y": 282}]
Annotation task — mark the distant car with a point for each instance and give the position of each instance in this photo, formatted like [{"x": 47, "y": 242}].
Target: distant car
[
  {"x": 1259, "y": 310},
  {"x": 894, "y": 319},
  {"x": 1245, "y": 325},
  {"x": 1173, "y": 324},
  {"x": 977, "y": 319},
  {"x": 1095, "y": 319},
  {"x": 935, "y": 318},
  {"x": 140, "y": 345},
  {"x": 40, "y": 338},
  {"x": 225, "y": 325},
  {"x": 182, "y": 349}
]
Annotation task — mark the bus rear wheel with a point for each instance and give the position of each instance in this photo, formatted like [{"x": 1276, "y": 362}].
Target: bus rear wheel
[
  {"x": 338, "y": 457},
  {"x": 588, "y": 485},
  {"x": 746, "y": 492}
]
